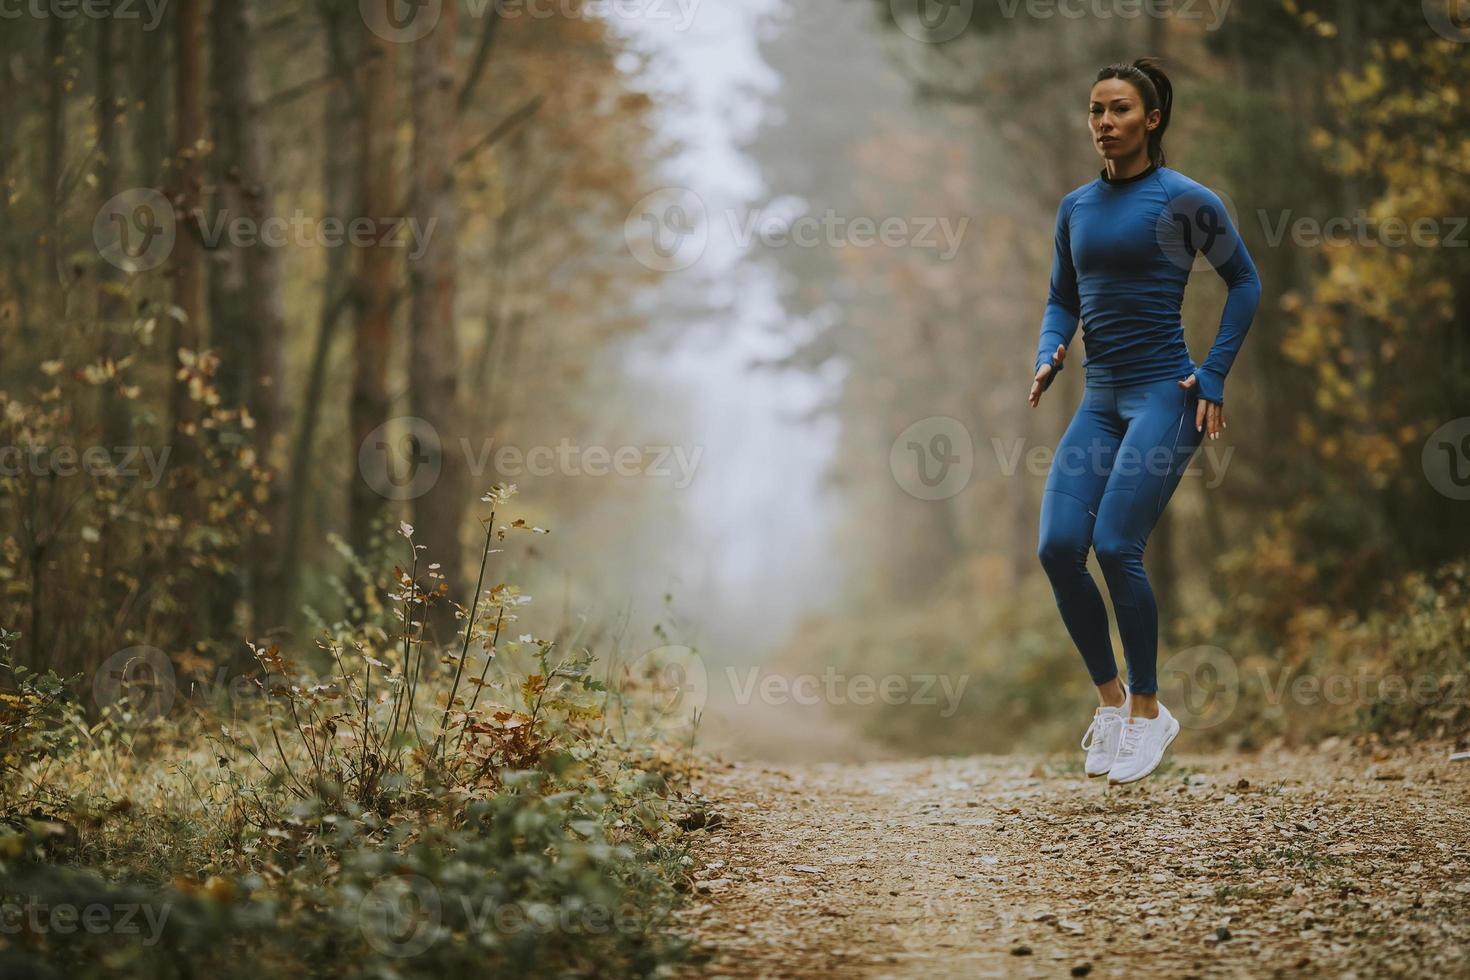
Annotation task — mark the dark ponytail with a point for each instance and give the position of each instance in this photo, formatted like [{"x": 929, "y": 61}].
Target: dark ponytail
[{"x": 1156, "y": 91}]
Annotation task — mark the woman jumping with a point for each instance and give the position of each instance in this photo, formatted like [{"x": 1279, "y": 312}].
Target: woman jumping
[{"x": 1125, "y": 243}]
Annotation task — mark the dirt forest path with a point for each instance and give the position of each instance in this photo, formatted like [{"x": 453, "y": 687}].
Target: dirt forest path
[{"x": 1336, "y": 862}]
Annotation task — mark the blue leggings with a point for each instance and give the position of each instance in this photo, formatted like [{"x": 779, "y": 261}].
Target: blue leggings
[{"x": 1115, "y": 468}]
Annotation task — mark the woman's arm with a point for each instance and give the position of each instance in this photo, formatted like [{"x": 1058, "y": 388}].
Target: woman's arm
[
  {"x": 1059, "y": 321},
  {"x": 1233, "y": 262}
]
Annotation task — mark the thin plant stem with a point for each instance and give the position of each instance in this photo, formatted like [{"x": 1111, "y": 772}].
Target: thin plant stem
[
  {"x": 469, "y": 630},
  {"x": 489, "y": 655}
]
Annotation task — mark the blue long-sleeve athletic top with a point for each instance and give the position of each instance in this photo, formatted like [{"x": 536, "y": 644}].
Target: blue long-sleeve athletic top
[{"x": 1123, "y": 253}]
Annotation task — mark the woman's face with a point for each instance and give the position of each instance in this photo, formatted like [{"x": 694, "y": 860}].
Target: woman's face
[{"x": 1119, "y": 125}]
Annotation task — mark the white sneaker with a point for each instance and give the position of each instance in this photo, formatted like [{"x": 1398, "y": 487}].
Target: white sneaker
[
  {"x": 1105, "y": 732},
  {"x": 1141, "y": 746}
]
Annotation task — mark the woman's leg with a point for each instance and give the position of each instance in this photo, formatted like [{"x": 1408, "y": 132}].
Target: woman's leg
[
  {"x": 1159, "y": 441},
  {"x": 1075, "y": 484}
]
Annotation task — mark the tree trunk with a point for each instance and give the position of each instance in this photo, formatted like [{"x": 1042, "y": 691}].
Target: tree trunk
[
  {"x": 55, "y": 139},
  {"x": 16, "y": 240},
  {"x": 247, "y": 314},
  {"x": 373, "y": 337},
  {"x": 482, "y": 379},
  {"x": 113, "y": 410},
  {"x": 434, "y": 349},
  {"x": 188, "y": 184},
  {"x": 341, "y": 184},
  {"x": 110, "y": 308},
  {"x": 149, "y": 85}
]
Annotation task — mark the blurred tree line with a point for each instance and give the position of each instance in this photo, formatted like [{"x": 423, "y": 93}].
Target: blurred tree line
[{"x": 144, "y": 152}]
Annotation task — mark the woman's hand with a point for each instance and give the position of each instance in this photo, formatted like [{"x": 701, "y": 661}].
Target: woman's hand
[
  {"x": 1044, "y": 376},
  {"x": 1206, "y": 414}
]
